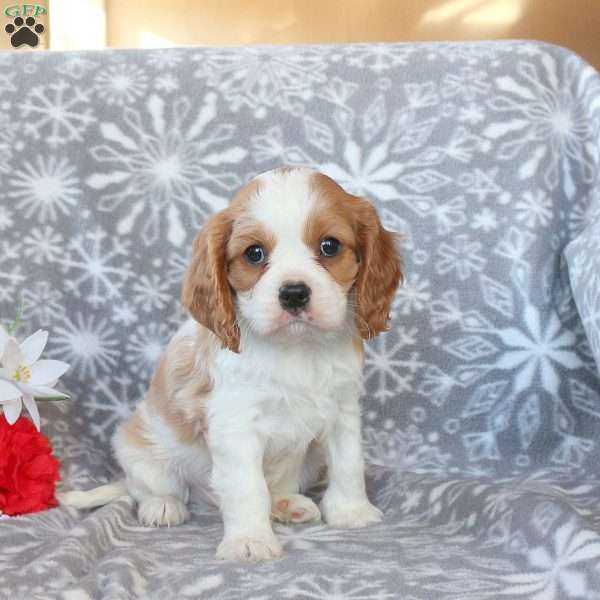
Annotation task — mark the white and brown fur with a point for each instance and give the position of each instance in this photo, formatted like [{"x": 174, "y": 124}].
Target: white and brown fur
[{"x": 252, "y": 403}]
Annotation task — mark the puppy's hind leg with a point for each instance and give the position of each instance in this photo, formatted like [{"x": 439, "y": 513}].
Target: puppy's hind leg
[
  {"x": 160, "y": 491},
  {"x": 285, "y": 480}
]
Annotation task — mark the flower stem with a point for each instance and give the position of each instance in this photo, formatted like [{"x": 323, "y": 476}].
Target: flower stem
[
  {"x": 18, "y": 317},
  {"x": 53, "y": 399}
]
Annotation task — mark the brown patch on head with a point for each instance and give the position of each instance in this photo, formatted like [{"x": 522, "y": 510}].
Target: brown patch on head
[
  {"x": 332, "y": 219},
  {"x": 207, "y": 291},
  {"x": 243, "y": 196},
  {"x": 246, "y": 232},
  {"x": 368, "y": 263}
]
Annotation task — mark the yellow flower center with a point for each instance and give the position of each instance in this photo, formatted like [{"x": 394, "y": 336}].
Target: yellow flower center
[{"x": 22, "y": 374}]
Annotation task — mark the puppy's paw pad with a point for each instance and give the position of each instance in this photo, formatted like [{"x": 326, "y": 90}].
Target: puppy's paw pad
[
  {"x": 352, "y": 517},
  {"x": 294, "y": 508},
  {"x": 162, "y": 511},
  {"x": 249, "y": 548}
]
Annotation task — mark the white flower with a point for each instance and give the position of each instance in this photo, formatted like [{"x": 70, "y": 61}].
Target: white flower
[{"x": 24, "y": 377}]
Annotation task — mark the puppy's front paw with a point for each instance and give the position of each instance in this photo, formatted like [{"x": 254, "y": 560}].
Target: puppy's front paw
[
  {"x": 349, "y": 516},
  {"x": 294, "y": 508},
  {"x": 251, "y": 547}
]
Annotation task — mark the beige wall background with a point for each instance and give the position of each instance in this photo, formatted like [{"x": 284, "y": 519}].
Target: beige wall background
[
  {"x": 572, "y": 23},
  {"x": 82, "y": 24}
]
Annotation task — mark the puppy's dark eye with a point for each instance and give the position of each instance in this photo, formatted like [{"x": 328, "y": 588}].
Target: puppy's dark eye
[
  {"x": 255, "y": 255},
  {"x": 330, "y": 247}
]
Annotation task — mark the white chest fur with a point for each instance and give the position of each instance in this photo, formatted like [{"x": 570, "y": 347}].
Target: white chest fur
[{"x": 288, "y": 396}]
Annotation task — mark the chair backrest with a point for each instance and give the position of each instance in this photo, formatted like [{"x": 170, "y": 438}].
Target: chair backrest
[{"x": 483, "y": 155}]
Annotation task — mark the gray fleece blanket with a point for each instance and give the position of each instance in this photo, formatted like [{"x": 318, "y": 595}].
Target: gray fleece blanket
[{"x": 482, "y": 412}]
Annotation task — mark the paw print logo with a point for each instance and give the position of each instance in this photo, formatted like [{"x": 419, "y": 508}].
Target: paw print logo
[{"x": 24, "y": 32}]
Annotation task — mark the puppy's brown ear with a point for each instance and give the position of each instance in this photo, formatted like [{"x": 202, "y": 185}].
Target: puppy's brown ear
[
  {"x": 206, "y": 292},
  {"x": 380, "y": 271}
]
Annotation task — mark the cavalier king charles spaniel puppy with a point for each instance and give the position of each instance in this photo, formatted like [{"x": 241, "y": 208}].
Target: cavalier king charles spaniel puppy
[{"x": 256, "y": 397}]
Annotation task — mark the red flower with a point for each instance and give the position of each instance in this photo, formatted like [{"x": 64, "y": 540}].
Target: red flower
[{"x": 28, "y": 471}]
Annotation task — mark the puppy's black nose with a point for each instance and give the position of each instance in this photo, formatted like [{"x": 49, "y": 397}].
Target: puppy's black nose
[{"x": 293, "y": 296}]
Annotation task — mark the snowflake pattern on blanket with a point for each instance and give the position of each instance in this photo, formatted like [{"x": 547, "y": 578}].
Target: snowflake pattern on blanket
[{"x": 482, "y": 410}]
